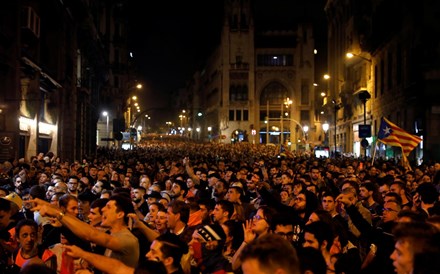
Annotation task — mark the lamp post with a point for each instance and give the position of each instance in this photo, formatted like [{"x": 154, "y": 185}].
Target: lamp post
[
  {"x": 325, "y": 127},
  {"x": 209, "y": 133},
  {"x": 350, "y": 55},
  {"x": 336, "y": 108},
  {"x": 306, "y": 129},
  {"x": 364, "y": 95},
  {"x": 105, "y": 114},
  {"x": 287, "y": 103}
]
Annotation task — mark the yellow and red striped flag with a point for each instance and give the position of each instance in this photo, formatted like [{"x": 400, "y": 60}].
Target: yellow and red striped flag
[{"x": 393, "y": 135}]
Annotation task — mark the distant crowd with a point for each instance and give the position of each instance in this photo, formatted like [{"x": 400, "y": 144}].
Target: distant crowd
[{"x": 178, "y": 207}]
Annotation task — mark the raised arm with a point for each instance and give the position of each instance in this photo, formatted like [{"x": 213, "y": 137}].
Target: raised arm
[
  {"x": 78, "y": 227},
  {"x": 190, "y": 171},
  {"x": 102, "y": 263},
  {"x": 149, "y": 233}
]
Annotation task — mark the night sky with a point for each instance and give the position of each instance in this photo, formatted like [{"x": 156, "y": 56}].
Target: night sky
[{"x": 171, "y": 39}]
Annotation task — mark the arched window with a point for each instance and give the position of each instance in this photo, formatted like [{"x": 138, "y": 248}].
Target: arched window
[{"x": 274, "y": 92}]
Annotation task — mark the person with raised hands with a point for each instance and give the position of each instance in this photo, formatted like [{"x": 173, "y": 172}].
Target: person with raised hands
[{"x": 120, "y": 244}]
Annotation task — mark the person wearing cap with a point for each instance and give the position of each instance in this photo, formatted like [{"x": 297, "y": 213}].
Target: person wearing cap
[{"x": 206, "y": 247}]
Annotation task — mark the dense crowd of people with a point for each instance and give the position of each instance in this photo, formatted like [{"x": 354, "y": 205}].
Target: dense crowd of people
[{"x": 179, "y": 207}]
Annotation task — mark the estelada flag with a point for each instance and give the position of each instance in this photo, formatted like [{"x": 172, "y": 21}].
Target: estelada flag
[{"x": 393, "y": 135}]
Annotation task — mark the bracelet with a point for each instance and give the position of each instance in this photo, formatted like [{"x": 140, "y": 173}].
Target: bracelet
[
  {"x": 60, "y": 216},
  {"x": 245, "y": 242}
]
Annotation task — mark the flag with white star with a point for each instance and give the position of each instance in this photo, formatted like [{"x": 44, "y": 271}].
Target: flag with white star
[{"x": 393, "y": 135}]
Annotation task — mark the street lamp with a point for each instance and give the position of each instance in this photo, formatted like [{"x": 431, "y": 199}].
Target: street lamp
[
  {"x": 105, "y": 114},
  {"x": 287, "y": 103},
  {"x": 350, "y": 55}
]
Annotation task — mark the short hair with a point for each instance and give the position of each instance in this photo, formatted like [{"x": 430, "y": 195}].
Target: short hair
[
  {"x": 124, "y": 204},
  {"x": 180, "y": 207},
  {"x": 396, "y": 197},
  {"x": 421, "y": 236},
  {"x": 65, "y": 199},
  {"x": 172, "y": 246},
  {"x": 101, "y": 202},
  {"x": 272, "y": 252},
  {"x": 227, "y": 206},
  {"x": 38, "y": 191},
  {"x": 369, "y": 186},
  {"x": 428, "y": 193},
  {"x": 25, "y": 222},
  {"x": 414, "y": 216},
  {"x": 5, "y": 205},
  {"x": 322, "y": 232},
  {"x": 312, "y": 259}
]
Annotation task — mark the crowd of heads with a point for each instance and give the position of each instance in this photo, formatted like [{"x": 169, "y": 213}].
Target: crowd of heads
[{"x": 292, "y": 208}]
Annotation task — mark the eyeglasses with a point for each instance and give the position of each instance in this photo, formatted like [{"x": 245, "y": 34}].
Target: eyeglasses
[
  {"x": 258, "y": 217},
  {"x": 285, "y": 235},
  {"x": 389, "y": 209},
  {"x": 299, "y": 199}
]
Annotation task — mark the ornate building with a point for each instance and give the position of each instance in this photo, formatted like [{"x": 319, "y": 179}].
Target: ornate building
[{"x": 258, "y": 85}]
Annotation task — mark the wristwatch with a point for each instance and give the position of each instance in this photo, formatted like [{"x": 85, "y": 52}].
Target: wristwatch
[{"x": 60, "y": 216}]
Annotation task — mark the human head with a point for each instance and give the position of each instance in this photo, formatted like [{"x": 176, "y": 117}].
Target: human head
[
  {"x": 26, "y": 233},
  {"x": 5, "y": 213},
  {"x": 69, "y": 204},
  {"x": 177, "y": 211},
  {"x": 318, "y": 235},
  {"x": 412, "y": 239},
  {"x": 168, "y": 249},
  {"x": 95, "y": 213},
  {"x": 123, "y": 204},
  {"x": 262, "y": 221},
  {"x": 223, "y": 211},
  {"x": 72, "y": 183},
  {"x": 269, "y": 254}
]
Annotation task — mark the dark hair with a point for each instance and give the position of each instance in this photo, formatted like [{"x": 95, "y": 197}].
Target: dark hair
[
  {"x": 5, "y": 205},
  {"x": 236, "y": 232},
  {"x": 180, "y": 207},
  {"x": 38, "y": 191},
  {"x": 414, "y": 216},
  {"x": 428, "y": 193},
  {"x": 322, "y": 232},
  {"x": 123, "y": 204},
  {"x": 101, "y": 202},
  {"x": 172, "y": 246},
  {"x": 65, "y": 199},
  {"x": 227, "y": 206},
  {"x": 272, "y": 252},
  {"x": 25, "y": 222},
  {"x": 396, "y": 197},
  {"x": 312, "y": 259},
  {"x": 422, "y": 237}
]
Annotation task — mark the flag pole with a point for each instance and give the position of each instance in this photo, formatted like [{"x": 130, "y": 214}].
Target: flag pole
[{"x": 374, "y": 152}]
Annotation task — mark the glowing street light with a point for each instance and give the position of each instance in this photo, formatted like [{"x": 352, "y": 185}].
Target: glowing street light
[{"x": 105, "y": 114}]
